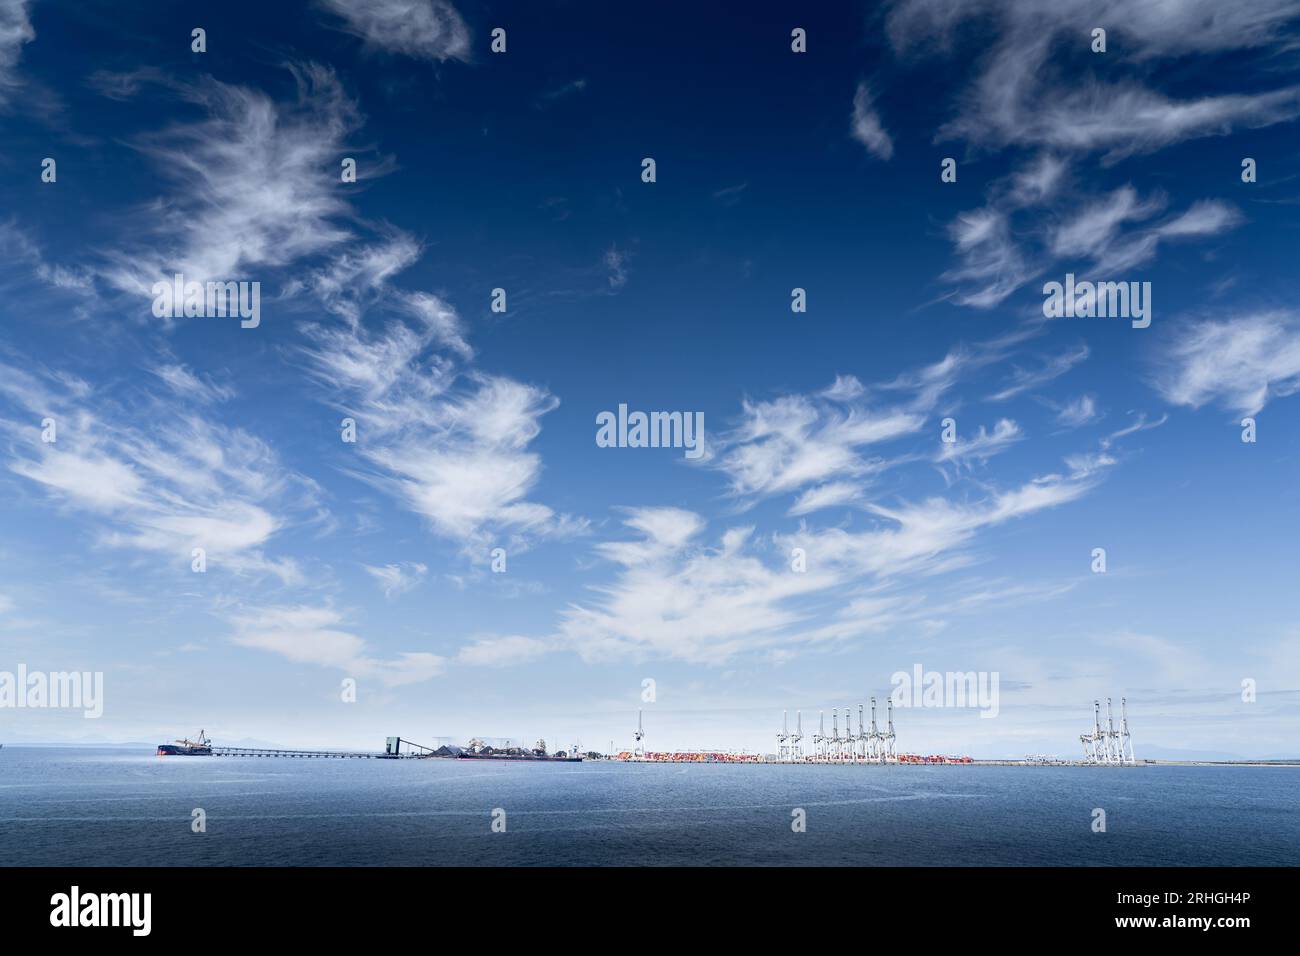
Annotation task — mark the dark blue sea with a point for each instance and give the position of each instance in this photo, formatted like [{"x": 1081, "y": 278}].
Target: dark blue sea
[{"x": 115, "y": 807}]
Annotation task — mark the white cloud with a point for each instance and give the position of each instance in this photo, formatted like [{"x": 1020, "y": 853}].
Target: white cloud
[
  {"x": 990, "y": 258},
  {"x": 15, "y": 30},
  {"x": 1094, "y": 228},
  {"x": 19, "y": 247},
  {"x": 555, "y": 94},
  {"x": 918, "y": 536},
  {"x": 996, "y": 259},
  {"x": 1139, "y": 425},
  {"x": 616, "y": 264},
  {"x": 424, "y": 29},
  {"x": 175, "y": 483},
  {"x": 188, "y": 385},
  {"x": 1077, "y": 412},
  {"x": 1088, "y": 464},
  {"x": 1241, "y": 363},
  {"x": 981, "y": 446},
  {"x": 452, "y": 447},
  {"x": 866, "y": 127},
  {"x": 501, "y": 651},
  {"x": 830, "y": 495},
  {"x": 1039, "y": 181},
  {"x": 1204, "y": 218},
  {"x": 930, "y": 384},
  {"x": 357, "y": 276},
  {"x": 816, "y": 443},
  {"x": 1019, "y": 96},
  {"x": 674, "y": 596},
  {"x": 1207, "y": 217},
  {"x": 797, "y": 440},
  {"x": 1127, "y": 119},
  {"x": 255, "y": 184},
  {"x": 1023, "y": 380},
  {"x": 397, "y": 579},
  {"x": 312, "y": 635}
]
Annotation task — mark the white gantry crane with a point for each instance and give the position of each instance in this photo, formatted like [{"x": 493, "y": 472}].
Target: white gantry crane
[
  {"x": 1108, "y": 746},
  {"x": 639, "y": 751},
  {"x": 867, "y": 745},
  {"x": 874, "y": 751},
  {"x": 1125, "y": 740},
  {"x": 1112, "y": 736},
  {"x": 887, "y": 739},
  {"x": 1092, "y": 742}
]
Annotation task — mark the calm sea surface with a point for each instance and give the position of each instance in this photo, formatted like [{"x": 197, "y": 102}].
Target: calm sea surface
[{"x": 113, "y": 807}]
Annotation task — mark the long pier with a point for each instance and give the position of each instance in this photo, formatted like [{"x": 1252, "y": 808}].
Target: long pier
[
  {"x": 392, "y": 751},
  {"x": 263, "y": 752}
]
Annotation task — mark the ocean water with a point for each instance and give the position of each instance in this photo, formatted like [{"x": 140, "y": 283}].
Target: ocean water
[{"x": 113, "y": 807}]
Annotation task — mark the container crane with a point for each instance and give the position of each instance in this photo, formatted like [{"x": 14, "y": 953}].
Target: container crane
[{"x": 782, "y": 739}]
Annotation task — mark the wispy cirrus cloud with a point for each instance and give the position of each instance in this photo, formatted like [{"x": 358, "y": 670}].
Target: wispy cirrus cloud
[
  {"x": 306, "y": 634},
  {"x": 359, "y": 275},
  {"x": 676, "y": 596},
  {"x": 550, "y": 97},
  {"x": 1096, "y": 232},
  {"x": 18, "y": 247},
  {"x": 15, "y": 31},
  {"x": 1023, "y": 379},
  {"x": 1077, "y": 412},
  {"x": 788, "y": 443},
  {"x": 817, "y": 443},
  {"x": 993, "y": 265},
  {"x": 449, "y": 444},
  {"x": 865, "y": 125},
  {"x": 1101, "y": 236},
  {"x": 1020, "y": 96},
  {"x": 191, "y": 385},
  {"x": 502, "y": 651},
  {"x": 920, "y": 536},
  {"x": 832, "y": 494},
  {"x": 1036, "y": 86},
  {"x": 395, "y": 579},
  {"x": 152, "y": 479},
  {"x": 981, "y": 446},
  {"x": 615, "y": 262},
  {"x": 1241, "y": 363},
  {"x": 1095, "y": 226},
  {"x": 423, "y": 29},
  {"x": 254, "y": 184}
]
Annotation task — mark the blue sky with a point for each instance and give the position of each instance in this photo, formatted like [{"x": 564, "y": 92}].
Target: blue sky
[{"x": 775, "y": 170}]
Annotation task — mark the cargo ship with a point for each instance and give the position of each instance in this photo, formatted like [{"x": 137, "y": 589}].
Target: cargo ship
[{"x": 187, "y": 748}]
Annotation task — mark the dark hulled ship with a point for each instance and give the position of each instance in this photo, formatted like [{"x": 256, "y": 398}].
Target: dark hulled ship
[{"x": 187, "y": 748}]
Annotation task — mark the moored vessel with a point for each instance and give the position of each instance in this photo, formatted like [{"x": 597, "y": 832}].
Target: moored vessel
[{"x": 187, "y": 748}]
